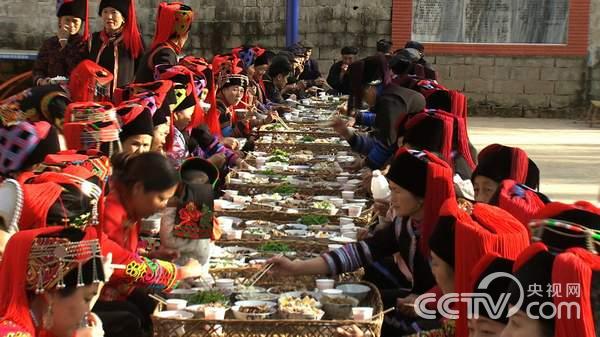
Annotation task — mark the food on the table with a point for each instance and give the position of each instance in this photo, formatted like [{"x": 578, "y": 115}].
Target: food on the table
[
  {"x": 208, "y": 297},
  {"x": 314, "y": 220},
  {"x": 259, "y": 309},
  {"x": 274, "y": 247}
]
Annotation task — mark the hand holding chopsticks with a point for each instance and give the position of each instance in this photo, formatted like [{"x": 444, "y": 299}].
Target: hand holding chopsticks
[
  {"x": 376, "y": 317},
  {"x": 258, "y": 275}
]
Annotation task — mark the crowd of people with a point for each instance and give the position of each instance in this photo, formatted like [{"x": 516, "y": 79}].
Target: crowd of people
[{"x": 115, "y": 130}]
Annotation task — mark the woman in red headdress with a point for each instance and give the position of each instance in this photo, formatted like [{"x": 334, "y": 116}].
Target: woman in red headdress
[
  {"x": 173, "y": 24},
  {"x": 49, "y": 278},
  {"x": 119, "y": 46}
]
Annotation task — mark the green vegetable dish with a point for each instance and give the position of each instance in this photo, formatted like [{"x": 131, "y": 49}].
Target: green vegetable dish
[
  {"x": 274, "y": 247},
  {"x": 284, "y": 189},
  {"x": 310, "y": 220},
  {"x": 308, "y": 139},
  {"x": 206, "y": 297},
  {"x": 280, "y": 153},
  {"x": 278, "y": 158}
]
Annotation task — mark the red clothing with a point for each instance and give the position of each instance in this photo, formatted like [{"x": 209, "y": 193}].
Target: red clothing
[
  {"x": 11, "y": 329},
  {"x": 139, "y": 272},
  {"x": 117, "y": 224}
]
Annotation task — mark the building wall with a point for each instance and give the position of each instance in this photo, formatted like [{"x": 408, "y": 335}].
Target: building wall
[{"x": 495, "y": 85}]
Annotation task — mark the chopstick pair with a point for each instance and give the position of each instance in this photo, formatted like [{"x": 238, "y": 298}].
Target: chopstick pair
[
  {"x": 259, "y": 274},
  {"x": 376, "y": 317},
  {"x": 158, "y": 299},
  {"x": 280, "y": 120}
]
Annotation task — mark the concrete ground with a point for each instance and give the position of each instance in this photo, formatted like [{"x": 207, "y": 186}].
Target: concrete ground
[{"x": 567, "y": 152}]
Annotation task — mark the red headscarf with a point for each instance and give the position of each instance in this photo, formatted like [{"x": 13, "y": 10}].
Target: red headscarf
[{"x": 172, "y": 18}]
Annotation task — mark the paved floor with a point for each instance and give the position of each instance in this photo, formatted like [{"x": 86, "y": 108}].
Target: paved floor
[{"x": 567, "y": 152}]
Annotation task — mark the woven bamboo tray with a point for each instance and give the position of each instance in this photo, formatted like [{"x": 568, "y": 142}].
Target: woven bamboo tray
[
  {"x": 306, "y": 245},
  {"x": 307, "y": 131},
  {"x": 230, "y": 327},
  {"x": 316, "y": 148},
  {"x": 253, "y": 189},
  {"x": 270, "y": 215}
]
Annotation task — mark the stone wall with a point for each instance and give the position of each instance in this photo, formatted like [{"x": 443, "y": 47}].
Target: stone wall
[
  {"x": 223, "y": 24},
  {"x": 495, "y": 85},
  {"x": 516, "y": 86}
]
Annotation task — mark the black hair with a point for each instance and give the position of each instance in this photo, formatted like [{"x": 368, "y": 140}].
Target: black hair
[
  {"x": 384, "y": 46},
  {"x": 152, "y": 169},
  {"x": 264, "y": 59},
  {"x": 195, "y": 177},
  {"x": 349, "y": 50},
  {"x": 415, "y": 45},
  {"x": 280, "y": 65}
]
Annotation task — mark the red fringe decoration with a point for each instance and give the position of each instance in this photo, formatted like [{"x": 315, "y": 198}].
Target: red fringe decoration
[
  {"x": 523, "y": 208},
  {"x": 488, "y": 230},
  {"x": 84, "y": 78},
  {"x": 519, "y": 165},
  {"x": 575, "y": 267},
  {"x": 131, "y": 34},
  {"x": 440, "y": 188}
]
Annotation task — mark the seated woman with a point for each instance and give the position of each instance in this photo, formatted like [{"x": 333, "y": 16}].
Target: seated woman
[
  {"x": 119, "y": 45},
  {"x": 18, "y": 157},
  {"x": 370, "y": 80},
  {"x": 420, "y": 182},
  {"x": 437, "y": 131},
  {"x": 507, "y": 178},
  {"x": 60, "y": 54},
  {"x": 137, "y": 130},
  {"x": 71, "y": 197},
  {"x": 554, "y": 310},
  {"x": 487, "y": 229},
  {"x": 49, "y": 278},
  {"x": 489, "y": 323}
]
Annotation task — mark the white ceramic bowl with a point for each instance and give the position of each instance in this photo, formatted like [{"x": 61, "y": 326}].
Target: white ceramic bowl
[
  {"x": 174, "y": 314},
  {"x": 358, "y": 291}
]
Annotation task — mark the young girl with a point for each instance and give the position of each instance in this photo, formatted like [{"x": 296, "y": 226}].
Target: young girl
[{"x": 190, "y": 225}]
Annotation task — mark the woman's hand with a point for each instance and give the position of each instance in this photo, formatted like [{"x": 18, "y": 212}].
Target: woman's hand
[
  {"x": 94, "y": 328},
  {"x": 192, "y": 269},
  {"x": 282, "y": 266},
  {"x": 406, "y": 305},
  {"x": 381, "y": 207},
  {"x": 231, "y": 143},
  {"x": 340, "y": 127}
]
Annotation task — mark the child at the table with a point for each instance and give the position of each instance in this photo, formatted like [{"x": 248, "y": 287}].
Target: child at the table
[{"x": 190, "y": 226}]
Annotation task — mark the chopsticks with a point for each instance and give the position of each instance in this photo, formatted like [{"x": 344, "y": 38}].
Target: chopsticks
[
  {"x": 118, "y": 266},
  {"x": 376, "y": 317},
  {"x": 158, "y": 299},
  {"x": 259, "y": 274},
  {"x": 280, "y": 120}
]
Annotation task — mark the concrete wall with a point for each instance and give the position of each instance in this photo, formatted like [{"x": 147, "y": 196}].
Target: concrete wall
[
  {"x": 516, "y": 86},
  {"x": 495, "y": 85},
  {"x": 224, "y": 24}
]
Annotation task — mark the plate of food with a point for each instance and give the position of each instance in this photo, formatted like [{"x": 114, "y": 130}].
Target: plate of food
[
  {"x": 286, "y": 289},
  {"x": 341, "y": 239},
  {"x": 302, "y": 307},
  {"x": 297, "y": 233},
  {"x": 240, "y": 250},
  {"x": 293, "y": 226},
  {"x": 260, "y": 223},
  {"x": 262, "y": 296},
  {"x": 253, "y": 310}
]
